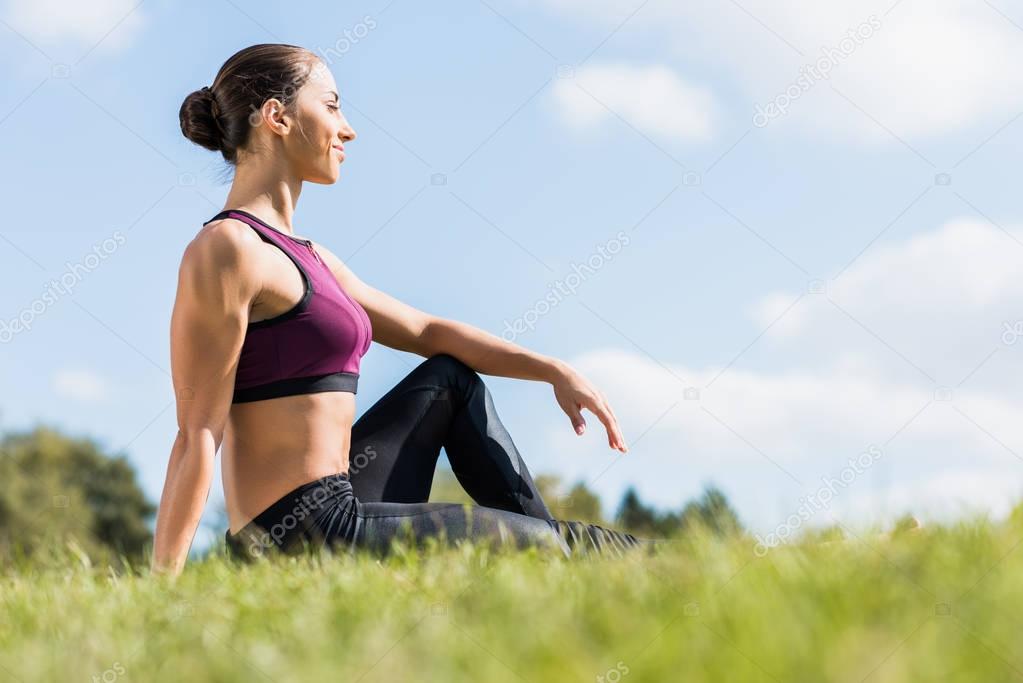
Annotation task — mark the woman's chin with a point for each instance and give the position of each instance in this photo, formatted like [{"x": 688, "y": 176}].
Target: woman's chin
[{"x": 327, "y": 179}]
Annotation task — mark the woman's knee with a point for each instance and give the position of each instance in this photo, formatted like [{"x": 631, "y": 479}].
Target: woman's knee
[
  {"x": 531, "y": 532},
  {"x": 448, "y": 363},
  {"x": 451, "y": 371}
]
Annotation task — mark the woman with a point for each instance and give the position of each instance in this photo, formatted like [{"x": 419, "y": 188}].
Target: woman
[{"x": 267, "y": 333}]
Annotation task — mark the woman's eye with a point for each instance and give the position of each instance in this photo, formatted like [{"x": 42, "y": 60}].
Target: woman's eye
[{"x": 333, "y": 107}]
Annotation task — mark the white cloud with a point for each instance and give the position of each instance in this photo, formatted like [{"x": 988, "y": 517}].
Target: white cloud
[
  {"x": 941, "y": 299},
  {"x": 79, "y": 385},
  {"x": 651, "y": 97},
  {"x": 932, "y": 67},
  {"x": 835, "y": 388},
  {"x": 946, "y": 496},
  {"x": 114, "y": 22}
]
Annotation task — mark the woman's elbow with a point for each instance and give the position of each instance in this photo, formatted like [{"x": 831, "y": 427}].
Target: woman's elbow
[{"x": 197, "y": 442}]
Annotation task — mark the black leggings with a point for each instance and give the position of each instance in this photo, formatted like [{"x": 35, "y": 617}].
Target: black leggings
[{"x": 393, "y": 456}]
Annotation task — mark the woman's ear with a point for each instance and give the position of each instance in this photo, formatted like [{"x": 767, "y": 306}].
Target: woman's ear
[{"x": 274, "y": 115}]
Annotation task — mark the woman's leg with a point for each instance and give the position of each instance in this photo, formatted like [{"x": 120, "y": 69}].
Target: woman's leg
[
  {"x": 378, "y": 524},
  {"x": 327, "y": 512},
  {"x": 396, "y": 444},
  {"x": 375, "y": 525},
  {"x": 442, "y": 402}
]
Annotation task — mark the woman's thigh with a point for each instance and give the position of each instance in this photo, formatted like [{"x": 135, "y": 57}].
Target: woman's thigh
[
  {"x": 396, "y": 443},
  {"x": 442, "y": 402}
]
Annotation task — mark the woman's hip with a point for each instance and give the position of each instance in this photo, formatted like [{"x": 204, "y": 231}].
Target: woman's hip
[{"x": 298, "y": 518}]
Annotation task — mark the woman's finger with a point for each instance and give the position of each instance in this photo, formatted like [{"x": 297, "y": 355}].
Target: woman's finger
[
  {"x": 600, "y": 410},
  {"x": 576, "y": 416},
  {"x": 617, "y": 439},
  {"x": 618, "y": 428},
  {"x": 613, "y": 433}
]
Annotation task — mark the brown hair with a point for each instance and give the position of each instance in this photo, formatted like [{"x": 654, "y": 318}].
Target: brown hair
[{"x": 217, "y": 117}]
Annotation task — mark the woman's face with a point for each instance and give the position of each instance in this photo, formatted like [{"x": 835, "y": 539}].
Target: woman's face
[{"x": 319, "y": 130}]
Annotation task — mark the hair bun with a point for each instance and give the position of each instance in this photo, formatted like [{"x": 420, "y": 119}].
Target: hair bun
[
  {"x": 219, "y": 116},
  {"x": 198, "y": 117}
]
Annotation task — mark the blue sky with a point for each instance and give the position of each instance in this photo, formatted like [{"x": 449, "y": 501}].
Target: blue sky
[{"x": 837, "y": 279}]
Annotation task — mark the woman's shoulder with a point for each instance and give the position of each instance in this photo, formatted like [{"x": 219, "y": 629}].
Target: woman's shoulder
[{"x": 224, "y": 244}]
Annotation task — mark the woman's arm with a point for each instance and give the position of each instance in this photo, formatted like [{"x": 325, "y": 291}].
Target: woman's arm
[
  {"x": 217, "y": 282},
  {"x": 492, "y": 355},
  {"x": 400, "y": 326}
]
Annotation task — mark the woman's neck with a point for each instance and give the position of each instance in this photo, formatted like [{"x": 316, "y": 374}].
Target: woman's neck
[{"x": 267, "y": 190}]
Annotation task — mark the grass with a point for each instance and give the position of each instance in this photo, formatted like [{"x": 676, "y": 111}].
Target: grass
[{"x": 942, "y": 603}]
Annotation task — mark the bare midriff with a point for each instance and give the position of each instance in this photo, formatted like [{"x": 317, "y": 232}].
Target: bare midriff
[{"x": 272, "y": 447}]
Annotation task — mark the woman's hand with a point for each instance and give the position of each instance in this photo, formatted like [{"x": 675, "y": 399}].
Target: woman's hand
[{"x": 574, "y": 392}]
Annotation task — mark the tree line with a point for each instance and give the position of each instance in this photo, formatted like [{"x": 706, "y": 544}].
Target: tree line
[{"x": 710, "y": 511}]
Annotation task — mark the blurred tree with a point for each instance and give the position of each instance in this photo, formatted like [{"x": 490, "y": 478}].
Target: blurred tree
[
  {"x": 447, "y": 488},
  {"x": 549, "y": 486},
  {"x": 579, "y": 503},
  {"x": 636, "y": 517},
  {"x": 54, "y": 487},
  {"x": 712, "y": 511},
  {"x": 582, "y": 504}
]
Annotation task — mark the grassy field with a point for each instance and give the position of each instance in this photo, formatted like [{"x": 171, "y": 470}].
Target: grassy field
[{"x": 943, "y": 603}]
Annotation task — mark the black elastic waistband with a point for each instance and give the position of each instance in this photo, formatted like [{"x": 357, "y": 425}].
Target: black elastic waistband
[
  {"x": 331, "y": 485},
  {"x": 292, "y": 513}
]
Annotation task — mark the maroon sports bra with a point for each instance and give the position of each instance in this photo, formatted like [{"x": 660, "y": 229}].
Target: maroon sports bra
[{"x": 316, "y": 345}]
